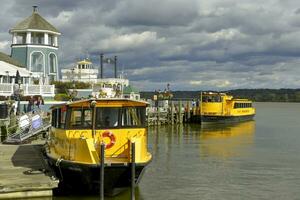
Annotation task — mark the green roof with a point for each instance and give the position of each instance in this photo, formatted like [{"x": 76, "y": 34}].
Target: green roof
[
  {"x": 10, "y": 60},
  {"x": 35, "y": 21},
  {"x": 128, "y": 89}
]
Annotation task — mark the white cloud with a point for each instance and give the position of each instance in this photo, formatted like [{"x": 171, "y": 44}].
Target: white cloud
[{"x": 131, "y": 41}]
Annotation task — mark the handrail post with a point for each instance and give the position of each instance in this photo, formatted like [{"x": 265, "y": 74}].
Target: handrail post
[
  {"x": 132, "y": 171},
  {"x": 102, "y": 148}
]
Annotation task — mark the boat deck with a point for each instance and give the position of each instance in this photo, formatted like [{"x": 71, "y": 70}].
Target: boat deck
[{"x": 24, "y": 172}]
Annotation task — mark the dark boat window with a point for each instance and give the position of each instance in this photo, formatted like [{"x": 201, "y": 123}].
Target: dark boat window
[
  {"x": 62, "y": 117},
  {"x": 120, "y": 117},
  {"x": 242, "y": 105},
  {"x": 81, "y": 118},
  {"x": 107, "y": 117},
  {"x": 54, "y": 118},
  {"x": 212, "y": 98},
  {"x": 133, "y": 117}
]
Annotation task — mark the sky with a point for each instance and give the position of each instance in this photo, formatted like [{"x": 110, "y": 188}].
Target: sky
[{"x": 190, "y": 44}]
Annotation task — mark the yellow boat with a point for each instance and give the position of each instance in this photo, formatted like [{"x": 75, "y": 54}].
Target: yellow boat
[
  {"x": 222, "y": 108},
  {"x": 77, "y": 132}
]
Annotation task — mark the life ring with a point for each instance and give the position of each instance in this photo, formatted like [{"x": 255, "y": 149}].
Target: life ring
[{"x": 112, "y": 138}]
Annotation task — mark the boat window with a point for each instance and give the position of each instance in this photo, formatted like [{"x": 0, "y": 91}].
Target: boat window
[
  {"x": 212, "y": 98},
  {"x": 54, "y": 118},
  {"x": 107, "y": 117},
  {"x": 62, "y": 112},
  {"x": 81, "y": 118},
  {"x": 133, "y": 117}
]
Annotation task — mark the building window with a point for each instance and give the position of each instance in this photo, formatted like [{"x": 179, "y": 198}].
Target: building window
[
  {"x": 21, "y": 38},
  {"x": 53, "y": 64},
  {"x": 37, "y": 62},
  {"x": 50, "y": 40},
  {"x": 37, "y": 38}
]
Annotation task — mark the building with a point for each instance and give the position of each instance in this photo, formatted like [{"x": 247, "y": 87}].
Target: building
[
  {"x": 83, "y": 72},
  {"x": 35, "y": 45},
  {"x": 8, "y": 85}
]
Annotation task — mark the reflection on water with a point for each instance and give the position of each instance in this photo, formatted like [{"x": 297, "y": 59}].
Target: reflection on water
[{"x": 226, "y": 140}]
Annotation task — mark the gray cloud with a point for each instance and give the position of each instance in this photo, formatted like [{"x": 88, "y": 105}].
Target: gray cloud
[{"x": 192, "y": 45}]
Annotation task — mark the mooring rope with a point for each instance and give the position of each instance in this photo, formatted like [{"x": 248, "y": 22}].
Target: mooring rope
[{"x": 57, "y": 164}]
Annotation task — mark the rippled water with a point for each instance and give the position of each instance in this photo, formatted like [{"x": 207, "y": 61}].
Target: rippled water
[{"x": 252, "y": 160}]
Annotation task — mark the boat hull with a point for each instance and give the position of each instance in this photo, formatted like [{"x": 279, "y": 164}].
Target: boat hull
[
  {"x": 85, "y": 178},
  {"x": 225, "y": 119}
]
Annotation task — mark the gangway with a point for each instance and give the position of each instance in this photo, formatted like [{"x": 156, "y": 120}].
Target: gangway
[{"x": 28, "y": 125}]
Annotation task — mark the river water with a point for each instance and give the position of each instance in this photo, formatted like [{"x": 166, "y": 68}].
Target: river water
[{"x": 259, "y": 159}]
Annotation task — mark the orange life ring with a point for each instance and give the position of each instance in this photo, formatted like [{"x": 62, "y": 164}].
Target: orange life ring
[{"x": 112, "y": 138}]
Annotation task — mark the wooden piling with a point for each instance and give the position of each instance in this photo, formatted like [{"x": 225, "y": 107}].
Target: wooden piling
[
  {"x": 102, "y": 148},
  {"x": 172, "y": 112},
  {"x": 132, "y": 171},
  {"x": 180, "y": 112}
]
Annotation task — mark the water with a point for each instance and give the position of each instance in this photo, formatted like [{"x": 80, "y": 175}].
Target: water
[{"x": 252, "y": 160}]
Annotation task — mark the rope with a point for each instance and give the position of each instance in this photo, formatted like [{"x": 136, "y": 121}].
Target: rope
[{"x": 57, "y": 164}]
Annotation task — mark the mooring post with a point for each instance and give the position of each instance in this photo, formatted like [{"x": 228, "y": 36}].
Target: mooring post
[
  {"x": 188, "y": 112},
  {"x": 102, "y": 148},
  {"x": 157, "y": 117},
  {"x": 172, "y": 112},
  {"x": 179, "y": 112},
  {"x": 132, "y": 171}
]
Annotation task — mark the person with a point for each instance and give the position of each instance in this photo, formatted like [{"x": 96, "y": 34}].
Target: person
[
  {"x": 106, "y": 121},
  {"x": 30, "y": 104},
  {"x": 38, "y": 102}
]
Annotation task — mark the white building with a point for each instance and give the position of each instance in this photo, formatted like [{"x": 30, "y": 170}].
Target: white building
[
  {"x": 83, "y": 72},
  {"x": 8, "y": 86}
]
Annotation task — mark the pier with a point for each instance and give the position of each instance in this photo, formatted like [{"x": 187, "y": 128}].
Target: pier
[
  {"x": 172, "y": 112},
  {"x": 24, "y": 173}
]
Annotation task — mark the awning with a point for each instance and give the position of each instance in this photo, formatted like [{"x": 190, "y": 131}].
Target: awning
[{"x": 11, "y": 70}]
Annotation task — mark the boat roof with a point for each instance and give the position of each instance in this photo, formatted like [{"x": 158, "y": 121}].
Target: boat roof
[{"x": 113, "y": 101}]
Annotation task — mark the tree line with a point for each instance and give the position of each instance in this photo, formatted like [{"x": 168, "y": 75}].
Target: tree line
[{"x": 258, "y": 95}]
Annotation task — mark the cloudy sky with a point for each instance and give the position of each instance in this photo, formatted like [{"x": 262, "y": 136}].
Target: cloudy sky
[{"x": 191, "y": 44}]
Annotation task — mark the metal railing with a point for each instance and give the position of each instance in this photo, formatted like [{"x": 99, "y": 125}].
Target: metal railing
[
  {"x": 29, "y": 124},
  {"x": 7, "y": 89}
]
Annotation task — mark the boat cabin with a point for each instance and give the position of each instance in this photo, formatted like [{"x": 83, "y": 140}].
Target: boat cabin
[{"x": 120, "y": 114}]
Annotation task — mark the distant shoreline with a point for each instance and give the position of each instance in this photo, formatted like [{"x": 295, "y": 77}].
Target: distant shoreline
[{"x": 256, "y": 95}]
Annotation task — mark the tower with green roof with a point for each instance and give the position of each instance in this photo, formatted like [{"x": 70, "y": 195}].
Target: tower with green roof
[{"x": 35, "y": 45}]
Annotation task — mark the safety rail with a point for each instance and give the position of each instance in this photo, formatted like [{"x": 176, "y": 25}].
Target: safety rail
[{"x": 29, "y": 124}]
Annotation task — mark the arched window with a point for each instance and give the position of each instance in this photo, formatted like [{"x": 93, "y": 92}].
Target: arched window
[
  {"x": 37, "y": 62},
  {"x": 53, "y": 64}
]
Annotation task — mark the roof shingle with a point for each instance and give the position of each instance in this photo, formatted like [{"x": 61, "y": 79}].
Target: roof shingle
[
  {"x": 10, "y": 60},
  {"x": 35, "y": 21}
]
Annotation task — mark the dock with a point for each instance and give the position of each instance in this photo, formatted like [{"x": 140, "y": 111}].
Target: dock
[
  {"x": 24, "y": 172},
  {"x": 172, "y": 112}
]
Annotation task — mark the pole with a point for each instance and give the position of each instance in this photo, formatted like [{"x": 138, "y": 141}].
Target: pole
[
  {"x": 115, "y": 62},
  {"x": 101, "y": 65},
  {"x": 132, "y": 171},
  {"x": 19, "y": 99},
  {"x": 102, "y": 171}
]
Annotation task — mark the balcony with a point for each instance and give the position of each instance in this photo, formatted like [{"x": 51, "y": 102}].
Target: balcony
[{"x": 7, "y": 89}]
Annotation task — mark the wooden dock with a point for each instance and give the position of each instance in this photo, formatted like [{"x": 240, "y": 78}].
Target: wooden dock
[
  {"x": 24, "y": 172},
  {"x": 175, "y": 112}
]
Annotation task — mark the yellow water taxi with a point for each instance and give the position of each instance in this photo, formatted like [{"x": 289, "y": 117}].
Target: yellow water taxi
[
  {"x": 77, "y": 132},
  {"x": 218, "y": 107}
]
